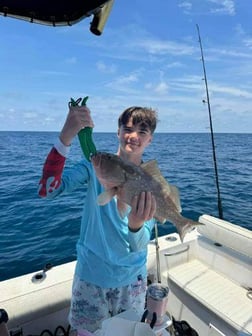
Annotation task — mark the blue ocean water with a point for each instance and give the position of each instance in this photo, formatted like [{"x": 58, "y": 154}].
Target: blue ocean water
[{"x": 36, "y": 231}]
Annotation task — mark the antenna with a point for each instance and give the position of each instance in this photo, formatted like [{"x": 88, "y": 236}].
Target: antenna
[{"x": 211, "y": 128}]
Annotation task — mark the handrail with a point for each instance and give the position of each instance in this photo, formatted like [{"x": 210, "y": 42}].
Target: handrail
[{"x": 168, "y": 254}]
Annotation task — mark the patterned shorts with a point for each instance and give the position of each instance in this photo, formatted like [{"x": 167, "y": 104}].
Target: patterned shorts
[{"x": 92, "y": 304}]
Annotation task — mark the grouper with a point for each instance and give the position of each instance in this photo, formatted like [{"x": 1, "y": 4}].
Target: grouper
[{"x": 125, "y": 180}]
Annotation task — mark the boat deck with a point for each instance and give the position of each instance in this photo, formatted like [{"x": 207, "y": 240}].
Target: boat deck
[{"x": 221, "y": 295}]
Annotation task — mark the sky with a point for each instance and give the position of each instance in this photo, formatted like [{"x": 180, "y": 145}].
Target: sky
[{"x": 148, "y": 55}]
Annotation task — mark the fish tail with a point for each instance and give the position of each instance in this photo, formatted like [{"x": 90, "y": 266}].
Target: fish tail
[{"x": 184, "y": 226}]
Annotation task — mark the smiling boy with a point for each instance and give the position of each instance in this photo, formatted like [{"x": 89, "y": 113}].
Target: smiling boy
[{"x": 110, "y": 274}]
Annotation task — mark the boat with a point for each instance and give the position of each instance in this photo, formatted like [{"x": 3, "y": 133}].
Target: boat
[
  {"x": 59, "y": 13},
  {"x": 209, "y": 277}
]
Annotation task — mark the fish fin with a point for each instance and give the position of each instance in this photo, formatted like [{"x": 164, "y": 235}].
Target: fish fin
[
  {"x": 186, "y": 226},
  {"x": 122, "y": 208},
  {"x": 160, "y": 219},
  {"x": 175, "y": 197},
  {"x": 151, "y": 168},
  {"x": 106, "y": 196},
  {"x": 123, "y": 213}
]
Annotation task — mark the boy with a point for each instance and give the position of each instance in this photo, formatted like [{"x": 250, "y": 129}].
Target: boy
[{"x": 110, "y": 275}]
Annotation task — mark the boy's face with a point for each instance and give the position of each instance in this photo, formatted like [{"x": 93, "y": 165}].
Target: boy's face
[{"x": 134, "y": 138}]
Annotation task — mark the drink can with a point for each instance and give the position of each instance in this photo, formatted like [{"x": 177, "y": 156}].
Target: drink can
[{"x": 157, "y": 298}]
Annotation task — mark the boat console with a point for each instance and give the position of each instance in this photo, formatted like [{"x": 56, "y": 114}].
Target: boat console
[{"x": 210, "y": 277}]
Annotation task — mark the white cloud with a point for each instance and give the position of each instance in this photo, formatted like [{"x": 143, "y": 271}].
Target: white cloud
[
  {"x": 194, "y": 7},
  {"x": 53, "y": 73},
  {"x": 49, "y": 119},
  {"x": 124, "y": 83},
  {"x": 30, "y": 115},
  {"x": 248, "y": 42},
  {"x": 164, "y": 47},
  {"x": 131, "y": 78},
  {"x": 186, "y": 6},
  {"x": 108, "y": 69},
  {"x": 161, "y": 88},
  {"x": 174, "y": 65},
  {"x": 231, "y": 52},
  {"x": 223, "y": 7},
  {"x": 229, "y": 90},
  {"x": 243, "y": 36}
]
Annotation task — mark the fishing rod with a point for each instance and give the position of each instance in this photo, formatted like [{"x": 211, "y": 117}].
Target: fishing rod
[
  {"x": 211, "y": 128},
  {"x": 157, "y": 254}
]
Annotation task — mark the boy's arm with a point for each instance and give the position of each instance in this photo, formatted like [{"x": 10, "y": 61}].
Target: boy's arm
[
  {"x": 52, "y": 170},
  {"x": 78, "y": 118},
  {"x": 139, "y": 240}
]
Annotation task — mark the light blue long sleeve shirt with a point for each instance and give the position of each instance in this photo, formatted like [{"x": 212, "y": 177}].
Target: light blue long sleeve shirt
[{"x": 108, "y": 254}]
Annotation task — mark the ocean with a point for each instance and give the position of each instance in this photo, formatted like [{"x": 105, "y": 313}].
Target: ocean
[{"x": 36, "y": 231}]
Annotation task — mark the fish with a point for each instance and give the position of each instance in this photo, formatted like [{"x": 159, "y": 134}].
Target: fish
[{"x": 124, "y": 179}]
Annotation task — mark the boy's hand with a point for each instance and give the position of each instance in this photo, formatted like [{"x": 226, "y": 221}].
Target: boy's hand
[
  {"x": 143, "y": 208},
  {"x": 78, "y": 118}
]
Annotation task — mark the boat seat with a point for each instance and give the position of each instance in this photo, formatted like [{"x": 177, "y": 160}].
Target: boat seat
[
  {"x": 230, "y": 235},
  {"x": 215, "y": 291}
]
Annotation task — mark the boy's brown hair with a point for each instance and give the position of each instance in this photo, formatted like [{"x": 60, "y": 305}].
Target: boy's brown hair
[{"x": 146, "y": 117}]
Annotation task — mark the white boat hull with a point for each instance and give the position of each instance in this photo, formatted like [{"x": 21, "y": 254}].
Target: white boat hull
[{"x": 209, "y": 277}]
